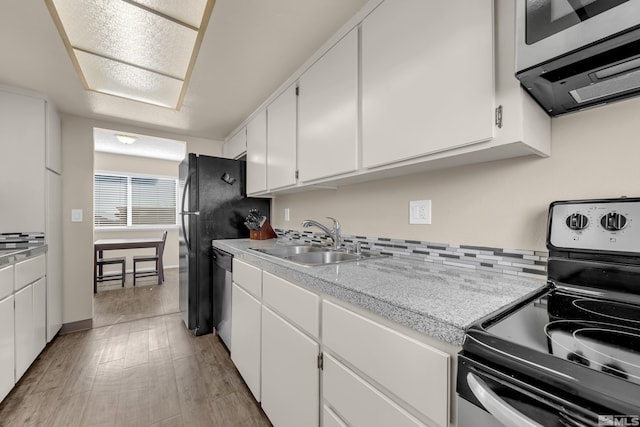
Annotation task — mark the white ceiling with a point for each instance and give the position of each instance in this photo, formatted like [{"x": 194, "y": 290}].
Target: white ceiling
[
  {"x": 250, "y": 48},
  {"x": 106, "y": 141}
]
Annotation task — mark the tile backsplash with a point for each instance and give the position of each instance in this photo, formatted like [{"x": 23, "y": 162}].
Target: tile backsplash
[
  {"x": 524, "y": 263},
  {"x": 20, "y": 240}
]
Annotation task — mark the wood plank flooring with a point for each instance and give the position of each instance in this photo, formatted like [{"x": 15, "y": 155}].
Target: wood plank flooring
[{"x": 144, "y": 368}]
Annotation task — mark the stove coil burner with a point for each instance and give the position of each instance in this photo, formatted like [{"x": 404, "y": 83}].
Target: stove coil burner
[
  {"x": 603, "y": 347},
  {"x": 610, "y": 309}
]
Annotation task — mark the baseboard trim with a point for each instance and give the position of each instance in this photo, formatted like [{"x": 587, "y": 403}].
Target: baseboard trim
[{"x": 80, "y": 325}]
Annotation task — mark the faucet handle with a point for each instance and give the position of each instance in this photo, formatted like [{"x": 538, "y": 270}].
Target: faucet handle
[{"x": 336, "y": 224}]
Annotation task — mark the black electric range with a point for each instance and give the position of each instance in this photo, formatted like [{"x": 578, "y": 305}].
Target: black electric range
[{"x": 568, "y": 355}]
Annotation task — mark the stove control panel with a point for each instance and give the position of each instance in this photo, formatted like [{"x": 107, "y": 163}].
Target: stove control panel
[{"x": 603, "y": 225}]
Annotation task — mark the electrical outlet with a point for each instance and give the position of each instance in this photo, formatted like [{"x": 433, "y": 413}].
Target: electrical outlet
[
  {"x": 420, "y": 212},
  {"x": 287, "y": 214}
]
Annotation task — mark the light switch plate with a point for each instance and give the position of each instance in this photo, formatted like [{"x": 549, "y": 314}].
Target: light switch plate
[
  {"x": 287, "y": 214},
  {"x": 420, "y": 212},
  {"x": 76, "y": 215}
]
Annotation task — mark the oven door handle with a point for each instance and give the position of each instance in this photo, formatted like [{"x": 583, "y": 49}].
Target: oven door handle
[{"x": 497, "y": 407}]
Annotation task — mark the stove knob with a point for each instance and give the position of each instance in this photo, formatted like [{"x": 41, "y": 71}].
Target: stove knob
[
  {"x": 577, "y": 221},
  {"x": 613, "y": 221},
  {"x": 614, "y": 370},
  {"x": 578, "y": 358}
]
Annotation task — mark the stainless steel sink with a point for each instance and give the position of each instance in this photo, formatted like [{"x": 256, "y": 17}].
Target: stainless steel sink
[
  {"x": 314, "y": 255},
  {"x": 287, "y": 251}
]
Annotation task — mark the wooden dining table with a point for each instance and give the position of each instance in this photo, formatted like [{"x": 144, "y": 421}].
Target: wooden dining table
[{"x": 118, "y": 244}]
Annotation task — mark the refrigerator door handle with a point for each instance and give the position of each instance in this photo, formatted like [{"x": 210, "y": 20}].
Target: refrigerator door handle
[{"x": 187, "y": 184}]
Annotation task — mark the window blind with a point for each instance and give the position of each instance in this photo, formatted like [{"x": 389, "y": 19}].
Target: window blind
[
  {"x": 153, "y": 201},
  {"x": 121, "y": 201},
  {"x": 110, "y": 200}
]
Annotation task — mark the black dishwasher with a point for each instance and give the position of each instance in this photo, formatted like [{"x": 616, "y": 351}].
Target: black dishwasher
[{"x": 221, "y": 271}]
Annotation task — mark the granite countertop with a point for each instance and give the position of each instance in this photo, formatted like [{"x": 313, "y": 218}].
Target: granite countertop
[
  {"x": 433, "y": 299},
  {"x": 12, "y": 255}
]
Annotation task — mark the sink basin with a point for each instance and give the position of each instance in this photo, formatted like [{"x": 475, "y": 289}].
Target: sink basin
[
  {"x": 287, "y": 251},
  {"x": 313, "y": 255}
]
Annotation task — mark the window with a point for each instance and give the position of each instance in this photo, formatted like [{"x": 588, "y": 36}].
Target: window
[{"x": 122, "y": 200}]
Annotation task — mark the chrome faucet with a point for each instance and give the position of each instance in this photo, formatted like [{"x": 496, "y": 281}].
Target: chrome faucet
[{"x": 334, "y": 234}]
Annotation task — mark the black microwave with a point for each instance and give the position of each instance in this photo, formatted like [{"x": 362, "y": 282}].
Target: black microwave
[{"x": 577, "y": 54}]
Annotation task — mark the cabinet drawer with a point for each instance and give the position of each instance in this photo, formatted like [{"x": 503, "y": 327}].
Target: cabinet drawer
[
  {"x": 298, "y": 305},
  {"x": 413, "y": 371},
  {"x": 6, "y": 281},
  {"x": 357, "y": 402},
  {"x": 29, "y": 271},
  {"x": 248, "y": 277}
]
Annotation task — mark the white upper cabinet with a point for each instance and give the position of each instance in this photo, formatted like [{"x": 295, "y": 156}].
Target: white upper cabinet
[
  {"x": 236, "y": 146},
  {"x": 54, "y": 140},
  {"x": 328, "y": 113},
  {"x": 281, "y": 140},
  {"x": 22, "y": 165},
  {"x": 257, "y": 154},
  {"x": 427, "y": 78}
]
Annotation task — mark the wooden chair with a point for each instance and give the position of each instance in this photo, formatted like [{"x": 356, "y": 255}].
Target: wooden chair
[
  {"x": 149, "y": 258},
  {"x": 105, "y": 277}
]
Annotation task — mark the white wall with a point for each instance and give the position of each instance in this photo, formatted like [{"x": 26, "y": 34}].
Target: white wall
[
  {"x": 499, "y": 204},
  {"x": 77, "y": 193}
]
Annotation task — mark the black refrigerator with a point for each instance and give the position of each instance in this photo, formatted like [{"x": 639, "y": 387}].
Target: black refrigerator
[{"x": 213, "y": 206}]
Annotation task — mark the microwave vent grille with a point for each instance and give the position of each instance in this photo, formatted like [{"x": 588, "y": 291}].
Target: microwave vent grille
[{"x": 622, "y": 83}]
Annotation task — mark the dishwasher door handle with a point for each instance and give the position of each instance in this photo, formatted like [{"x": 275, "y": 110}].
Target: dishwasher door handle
[{"x": 497, "y": 407}]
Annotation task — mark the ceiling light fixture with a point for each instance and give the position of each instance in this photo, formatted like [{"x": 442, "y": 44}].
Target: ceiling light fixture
[
  {"x": 126, "y": 139},
  {"x": 142, "y": 50}
]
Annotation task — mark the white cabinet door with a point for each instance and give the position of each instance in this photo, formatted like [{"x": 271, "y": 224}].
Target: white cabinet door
[
  {"x": 245, "y": 337},
  {"x": 257, "y": 153},
  {"x": 236, "y": 146},
  {"x": 328, "y": 113},
  {"x": 53, "y": 236},
  {"x": 415, "y": 372},
  {"x": 281, "y": 140},
  {"x": 39, "y": 317},
  {"x": 7, "y": 347},
  {"x": 24, "y": 328},
  {"x": 360, "y": 404},
  {"x": 53, "y": 140},
  {"x": 290, "y": 375},
  {"x": 427, "y": 78},
  {"x": 22, "y": 130}
]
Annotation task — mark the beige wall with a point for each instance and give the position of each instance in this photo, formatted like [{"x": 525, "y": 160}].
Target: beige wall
[
  {"x": 77, "y": 193},
  {"x": 595, "y": 153}
]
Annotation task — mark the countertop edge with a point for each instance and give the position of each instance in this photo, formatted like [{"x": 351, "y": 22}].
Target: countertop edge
[{"x": 15, "y": 255}]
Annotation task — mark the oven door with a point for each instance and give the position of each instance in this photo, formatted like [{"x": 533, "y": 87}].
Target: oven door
[
  {"x": 546, "y": 29},
  {"x": 500, "y": 398}
]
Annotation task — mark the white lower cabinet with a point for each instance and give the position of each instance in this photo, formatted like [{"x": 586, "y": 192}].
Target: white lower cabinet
[
  {"x": 416, "y": 373},
  {"x": 357, "y": 402},
  {"x": 24, "y": 327},
  {"x": 245, "y": 337},
  {"x": 372, "y": 374},
  {"x": 39, "y": 317},
  {"x": 7, "y": 347},
  {"x": 290, "y": 376}
]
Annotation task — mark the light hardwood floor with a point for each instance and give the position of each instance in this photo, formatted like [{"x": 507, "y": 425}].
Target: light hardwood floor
[
  {"x": 145, "y": 372},
  {"x": 113, "y": 304}
]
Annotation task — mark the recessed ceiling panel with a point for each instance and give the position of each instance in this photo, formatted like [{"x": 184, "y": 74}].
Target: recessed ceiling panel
[
  {"x": 116, "y": 78},
  {"x": 118, "y": 30},
  {"x": 190, "y": 12}
]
